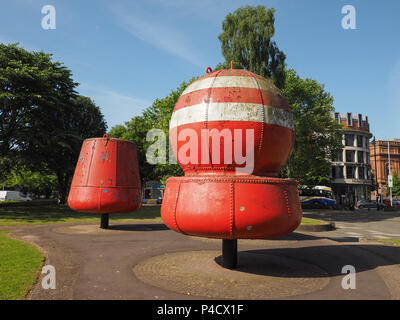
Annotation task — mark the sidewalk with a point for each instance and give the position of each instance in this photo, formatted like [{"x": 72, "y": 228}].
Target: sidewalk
[{"x": 148, "y": 261}]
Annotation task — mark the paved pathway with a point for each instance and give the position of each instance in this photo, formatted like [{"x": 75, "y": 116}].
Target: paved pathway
[
  {"x": 365, "y": 224},
  {"x": 116, "y": 264}
]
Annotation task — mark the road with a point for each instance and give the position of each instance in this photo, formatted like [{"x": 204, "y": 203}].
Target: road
[{"x": 362, "y": 224}]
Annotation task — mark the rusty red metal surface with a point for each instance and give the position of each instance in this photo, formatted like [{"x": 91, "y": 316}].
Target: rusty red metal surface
[
  {"x": 214, "y": 199},
  {"x": 231, "y": 207},
  {"x": 106, "y": 178}
]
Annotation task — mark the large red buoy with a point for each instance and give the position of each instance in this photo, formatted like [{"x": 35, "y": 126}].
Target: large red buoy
[
  {"x": 231, "y": 132},
  {"x": 106, "y": 178}
]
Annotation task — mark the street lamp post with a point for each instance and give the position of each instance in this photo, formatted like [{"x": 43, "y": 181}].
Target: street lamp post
[
  {"x": 390, "y": 176},
  {"x": 376, "y": 177}
]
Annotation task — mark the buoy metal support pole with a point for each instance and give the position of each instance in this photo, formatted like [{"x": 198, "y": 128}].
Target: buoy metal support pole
[
  {"x": 104, "y": 221},
  {"x": 229, "y": 253}
]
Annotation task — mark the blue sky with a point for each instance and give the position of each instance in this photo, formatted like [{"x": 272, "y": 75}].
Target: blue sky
[{"x": 125, "y": 54}]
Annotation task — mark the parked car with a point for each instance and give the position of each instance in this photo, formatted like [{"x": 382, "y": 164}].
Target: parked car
[
  {"x": 369, "y": 204},
  {"x": 394, "y": 201},
  {"x": 13, "y": 195}
]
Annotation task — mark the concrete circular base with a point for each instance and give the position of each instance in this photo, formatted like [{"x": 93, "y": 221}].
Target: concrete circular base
[{"x": 258, "y": 276}]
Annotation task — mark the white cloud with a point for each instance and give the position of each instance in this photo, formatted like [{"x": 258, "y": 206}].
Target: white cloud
[
  {"x": 116, "y": 107},
  {"x": 158, "y": 34}
]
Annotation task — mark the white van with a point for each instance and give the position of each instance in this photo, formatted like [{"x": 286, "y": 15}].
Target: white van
[{"x": 13, "y": 195}]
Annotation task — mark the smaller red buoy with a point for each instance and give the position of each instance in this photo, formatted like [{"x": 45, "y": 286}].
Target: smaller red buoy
[{"x": 106, "y": 178}]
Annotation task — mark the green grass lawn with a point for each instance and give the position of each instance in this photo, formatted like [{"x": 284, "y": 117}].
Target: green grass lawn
[
  {"x": 395, "y": 242},
  {"x": 19, "y": 265},
  {"x": 309, "y": 221},
  {"x": 10, "y": 201},
  {"x": 14, "y": 216}
]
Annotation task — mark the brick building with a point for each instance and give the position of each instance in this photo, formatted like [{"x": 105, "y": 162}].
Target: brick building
[
  {"x": 351, "y": 169},
  {"x": 382, "y": 161}
]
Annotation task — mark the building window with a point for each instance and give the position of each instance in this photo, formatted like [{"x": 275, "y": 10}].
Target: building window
[
  {"x": 337, "y": 172},
  {"x": 349, "y": 172},
  {"x": 349, "y": 119},
  {"x": 361, "y": 173},
  {"x": 360, "y": 157},
  {"x": 359, "y": 141},
  {"x": 349, "y": 140},
  {"x": 337, "y": 117},
  {"x": 350, "y": 155},
  {"x": 368, "y": 158},
  {"x": 339, "y": 157}
]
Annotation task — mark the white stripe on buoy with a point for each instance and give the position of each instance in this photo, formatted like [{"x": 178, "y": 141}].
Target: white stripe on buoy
[
  {"x": 232, "y": 111},
  {"x": 231, "y": 82}
]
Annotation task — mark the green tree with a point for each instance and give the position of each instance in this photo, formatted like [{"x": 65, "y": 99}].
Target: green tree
[
  {"x": 246, "y": 39},
  {"x": 396, "y": 185},
  {"x": 6, "y": 164},
  {"x": 42, "y": 119},
  {"x": 32, "y": 182},
  {"x": 318, "y": 138},
  {"x": 157, "y": 116},
  {"x": 27, "y": 81},
  {"x": 56, "y": 136}
]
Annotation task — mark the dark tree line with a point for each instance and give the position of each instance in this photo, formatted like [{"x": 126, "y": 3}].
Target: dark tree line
[{"x": 43, "y": 120}]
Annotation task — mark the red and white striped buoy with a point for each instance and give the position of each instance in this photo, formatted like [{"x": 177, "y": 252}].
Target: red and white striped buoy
[
  {"x": 234, "y": 100},
  {"x": 219, "y": 123}
]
